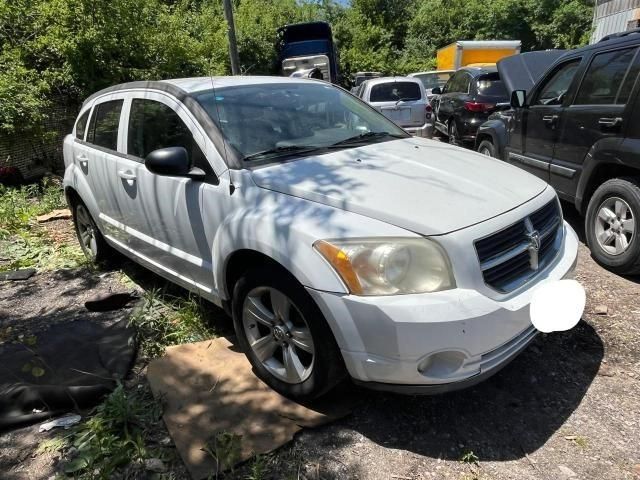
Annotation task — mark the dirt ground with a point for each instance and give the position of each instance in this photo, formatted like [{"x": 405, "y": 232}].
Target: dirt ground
[{"x": 567, "y": 408}]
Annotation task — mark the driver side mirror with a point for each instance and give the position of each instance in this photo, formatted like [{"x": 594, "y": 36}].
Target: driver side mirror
[
  {"x": 519, "y": 99},
  {"x": 172, "y": 162},
  {"x": 436, "y": 91}
]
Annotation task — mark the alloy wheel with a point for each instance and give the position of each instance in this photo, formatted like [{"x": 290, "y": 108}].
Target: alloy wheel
[
  {"x": 485, "y": 151},
  {"x": 86, "y": 232},
  {"x": 614, "y": 226},
  {"x": 278, "y": 335}
]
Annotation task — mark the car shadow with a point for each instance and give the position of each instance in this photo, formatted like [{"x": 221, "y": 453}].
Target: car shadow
[{"x": 511, "y": 414}]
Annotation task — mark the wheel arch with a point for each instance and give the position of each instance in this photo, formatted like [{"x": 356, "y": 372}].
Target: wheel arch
[
  {"x": 496, "y": 132},
  {"x": 595, "y": 174}
]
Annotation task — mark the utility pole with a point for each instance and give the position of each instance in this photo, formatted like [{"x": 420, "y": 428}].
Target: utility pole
[{"x": 231, "y": 33}]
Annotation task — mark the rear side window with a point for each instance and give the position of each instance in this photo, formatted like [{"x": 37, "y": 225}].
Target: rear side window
[
  {"x": 154, "y": 125},
  {"x": 491, "y": 85},
  {"x": 609, "y": 78},
  {"x": 103, "y": 128},
  {"x": 81, "y": 125},
  {"x": 394, "y": 91}
]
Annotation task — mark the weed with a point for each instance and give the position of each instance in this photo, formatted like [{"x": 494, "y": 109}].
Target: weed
[
  {"x": 166, "y": 320},
  {"x": 51, "y": 445},
  {"x": 225, "y": 448},
  {"x": 19, "y": 206},
  {"x": 259, "y": 468},
  {"x": 469, "y": 457},
  {"x": 114, "y": 436},
  {"x": 581, "y": 442}
]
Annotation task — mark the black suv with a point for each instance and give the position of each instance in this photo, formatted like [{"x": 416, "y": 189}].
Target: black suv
[
  {"x": 578, "y": 128},
  {"x": 467, "y": 100}
]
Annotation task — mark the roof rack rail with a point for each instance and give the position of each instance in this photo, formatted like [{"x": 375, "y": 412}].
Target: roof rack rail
[{"x": 619, "y": 35}]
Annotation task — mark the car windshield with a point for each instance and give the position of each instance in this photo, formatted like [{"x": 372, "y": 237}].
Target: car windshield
[
  {"x": 491, "y": 85},
  {"x": 394, "y": 91},
  {"x": 269, "y": 121},
  {"x": 433, "y": 80}
]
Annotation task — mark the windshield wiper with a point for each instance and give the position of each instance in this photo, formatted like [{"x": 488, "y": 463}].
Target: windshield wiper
[
  {"x": 366, "y": 136},
  {"x": 277, "y": 151}
]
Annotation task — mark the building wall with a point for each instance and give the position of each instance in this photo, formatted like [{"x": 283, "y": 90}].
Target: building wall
[{"x": 613, "y": 16}]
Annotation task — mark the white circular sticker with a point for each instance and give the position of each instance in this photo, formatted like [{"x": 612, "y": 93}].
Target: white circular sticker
[{"x": 557, "y": 306}]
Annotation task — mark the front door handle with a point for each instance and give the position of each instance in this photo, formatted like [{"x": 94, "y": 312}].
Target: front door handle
[
  {"x": 82, "y": 158},
  {"x": 550, "y": 120},
  {"x": 606, "y": 122},
  {"x": 127, "y": 174}
]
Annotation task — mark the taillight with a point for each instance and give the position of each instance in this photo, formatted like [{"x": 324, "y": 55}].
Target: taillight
[
  {"x": 428, "y": 110},
  {"x": 479, "y": 106}
]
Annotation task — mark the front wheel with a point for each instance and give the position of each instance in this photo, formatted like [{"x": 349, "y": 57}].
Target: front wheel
[
  {"x": 285, "y": 336},
  {"x": 610, "y": 225}
]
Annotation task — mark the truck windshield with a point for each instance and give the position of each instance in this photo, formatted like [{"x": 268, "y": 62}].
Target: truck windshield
[
  {"x": 269, "y": 121},
  {"x": 394, "y": 91}
]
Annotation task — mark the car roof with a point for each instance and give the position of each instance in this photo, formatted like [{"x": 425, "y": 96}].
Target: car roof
[
  {"x": 622, "y": 38},
  {"x": 430, "y": 72},
  {"x": 186, "y": 86},
  {"x": 376, "y": 81},
  {"x": 476, "y": 71}
]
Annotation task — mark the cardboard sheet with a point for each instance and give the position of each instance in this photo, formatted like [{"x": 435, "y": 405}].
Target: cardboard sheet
[{"x": 209, "y": 388}]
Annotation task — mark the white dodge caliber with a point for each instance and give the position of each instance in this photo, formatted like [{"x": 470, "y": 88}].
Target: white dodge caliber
[{"x": 339, "y": 244}]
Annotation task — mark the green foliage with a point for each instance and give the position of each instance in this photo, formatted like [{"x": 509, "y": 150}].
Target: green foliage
[
  {"x": 115, "y": 435},
  {"x": 226, "y": 448},
  {"x": 71, "y": 48},
  {"x": 23, "y": 242},
  {"x": 166, "y": 320}
]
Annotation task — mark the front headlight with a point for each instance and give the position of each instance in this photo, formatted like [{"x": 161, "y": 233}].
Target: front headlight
[{"x": 389, "y": 266}]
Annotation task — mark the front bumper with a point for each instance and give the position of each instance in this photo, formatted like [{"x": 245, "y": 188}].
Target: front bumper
[
  {"x": 431, "y": 343},
  {"x": 425, "y": 131}
]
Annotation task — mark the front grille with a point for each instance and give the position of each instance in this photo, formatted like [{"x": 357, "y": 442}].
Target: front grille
[{"x": 508, "y": 257}]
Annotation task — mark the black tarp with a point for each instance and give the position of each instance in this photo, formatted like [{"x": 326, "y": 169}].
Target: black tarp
[
  {"x": 68, "y": 367},
  {"x": 522, "y": 71}
]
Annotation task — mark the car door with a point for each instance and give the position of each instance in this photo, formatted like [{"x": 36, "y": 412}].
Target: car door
[
  {"x": 97, "y": 155},
  {"x": 163, "y": 216},
  {"x": 539, "y": 122},
  {"x": 597, "y": 113},
  {"x": 452, "y": 99}
]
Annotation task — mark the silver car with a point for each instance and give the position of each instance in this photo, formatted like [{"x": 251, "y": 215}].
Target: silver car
[{"x": 402, "y": 100}]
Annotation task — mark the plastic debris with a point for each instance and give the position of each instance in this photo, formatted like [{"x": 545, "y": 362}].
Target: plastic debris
[{"x": 65, "y": 422}]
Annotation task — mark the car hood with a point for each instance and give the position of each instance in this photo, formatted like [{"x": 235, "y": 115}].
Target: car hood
[
  {"x": 521, "y": 72},
  {"x": 425, "y": 186}
]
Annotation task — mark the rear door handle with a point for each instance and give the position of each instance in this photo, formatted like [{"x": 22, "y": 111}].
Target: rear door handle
[
  {"x": 606, "y": 122},
  {"x": 82, "y": 158},
  {"x": 550, "y": 119},
  {"x": 127, "y": 174}
]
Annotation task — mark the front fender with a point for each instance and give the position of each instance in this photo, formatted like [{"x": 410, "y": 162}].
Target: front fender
[{"x": 284, "y": 228}]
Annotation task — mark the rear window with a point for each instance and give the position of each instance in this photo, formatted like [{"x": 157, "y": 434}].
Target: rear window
[
  {"x": 103, "y": 129},
  {"x": 433, "y": 80},
  {"x": 394, "y": 91},
  {"x": 491, "y": 85}
]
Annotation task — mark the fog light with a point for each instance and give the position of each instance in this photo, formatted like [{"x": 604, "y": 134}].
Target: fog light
[{"x": 441, "y": 364}]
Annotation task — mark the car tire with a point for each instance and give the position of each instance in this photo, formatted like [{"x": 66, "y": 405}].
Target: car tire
[
  {"x": 453, "y": 133},
  {"x": 294, "y": 329},
  {"x": 486, "y": 148},
  {"x": 611, "y": 225},
  {"x": 92, "y": 243}
]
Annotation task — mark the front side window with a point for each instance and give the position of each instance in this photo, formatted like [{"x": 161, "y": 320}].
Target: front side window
[
  {"x": 453, "y": 83},
  {"x": 258, "y": 119},
  {"x": 558, "y": 84},
  {"x": 605, "y": 77},
  {"x": 81, "y": 125},
  {"x": 394, "y": 91},
  {"x": 154, "y": 125},
  {"x": 103, "y": 128}
]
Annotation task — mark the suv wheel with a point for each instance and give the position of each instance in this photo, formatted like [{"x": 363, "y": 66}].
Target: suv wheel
[
  {"x": 610, "y": 225},
  {"x": 285, "y": 336},
  {"x": 453, "y": 133},
  {"x": 93, "y": 244},
  {"x": 486, "y": 148}
]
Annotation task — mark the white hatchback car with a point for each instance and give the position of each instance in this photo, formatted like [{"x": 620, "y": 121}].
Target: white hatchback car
[
  {"x": 339, "y": 243},
  {"x": 403, "y": 100}
]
